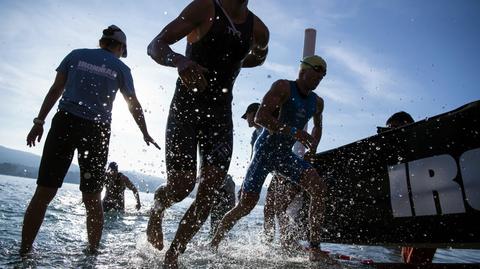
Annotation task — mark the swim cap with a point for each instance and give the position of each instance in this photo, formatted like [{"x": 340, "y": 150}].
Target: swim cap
[
  {"x": 113, "y": 166},
  {"x": 315, "y": 62}
]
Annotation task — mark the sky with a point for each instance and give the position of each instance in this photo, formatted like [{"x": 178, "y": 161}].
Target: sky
[{"x": 383, "y": 57}]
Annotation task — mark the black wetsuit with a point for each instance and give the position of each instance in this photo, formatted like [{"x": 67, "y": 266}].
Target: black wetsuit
[
  {"x": 205, "y": 118},
  {"x": 114, "y": 194},
  {"x": 223, "y": 202}
]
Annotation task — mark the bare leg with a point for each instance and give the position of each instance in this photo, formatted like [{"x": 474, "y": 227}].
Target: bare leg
[
  {"x": 285, "y": 193},
  {"x": 196, "y": 214},
  {"x": 315, "y": 186},
  {"x": 94, "y": 209},
  {"x": 269, "y": 211},
  {"x": 179, "y": 185},
  {"x": 34, "y": 216},
  {"x": 243, "y": 208}
]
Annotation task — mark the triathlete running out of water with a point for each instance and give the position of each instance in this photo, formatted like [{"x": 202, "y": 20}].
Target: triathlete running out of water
[
  {"x": 222, "y": 37},
  {"x": 273, "y": 149}
]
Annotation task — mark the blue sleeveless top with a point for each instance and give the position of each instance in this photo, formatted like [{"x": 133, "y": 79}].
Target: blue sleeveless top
[{"x": 296, "y": 112}]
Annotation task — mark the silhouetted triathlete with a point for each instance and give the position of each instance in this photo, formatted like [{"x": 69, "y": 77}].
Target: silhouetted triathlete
[
  {"x": 87, "y": 80},
  {"x": 273, "y": 149},
  {"x": 222, "y": 37},
  {"x": 115, "y": 186}
]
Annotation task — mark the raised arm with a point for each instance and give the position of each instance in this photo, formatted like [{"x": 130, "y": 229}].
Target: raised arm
[
  {"x": 188, "y": 23},
  {"x": 51, "y": 98},
  {"x": 259, "y": 51},
  {"x": 132, "y": 187}
]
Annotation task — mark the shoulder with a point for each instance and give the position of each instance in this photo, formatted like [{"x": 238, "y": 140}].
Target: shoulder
[
  {"x": 282, "y": 84},
  {"x": 280, "y": 89},
  {"x": 125, "y": 179},
  {"x": 79, "y": 51},
  {"x": 198, "y": 10},
  {"x": 202, "y": 3},
  {"x": 86, "y": 52},
  {"x": 76, "y": 53},
  {"x": 123, "y": 66}
]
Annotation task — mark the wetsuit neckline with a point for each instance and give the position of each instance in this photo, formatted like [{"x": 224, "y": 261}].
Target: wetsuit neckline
[
  {"x": 299, "y": 92},
  {"x": 229, "y": 17}
]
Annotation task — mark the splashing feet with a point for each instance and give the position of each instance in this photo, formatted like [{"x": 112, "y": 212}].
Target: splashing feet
[
  {"x": 171, "y": 260},
  {"x": 154, "y": 227},
  {"x": 320, "y": 256}
]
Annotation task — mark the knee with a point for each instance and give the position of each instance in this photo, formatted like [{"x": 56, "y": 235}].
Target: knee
[
  {"x": 247, "y": 205},
  {"x": 177, "y": 188},
  {"x": 315, "y": 185},
  {"x": 242, "y": 211},
  {"x": 213, "y": 176},
  {"x": 159, "y": 193},
  {"x": 164, "y": 193},
  {"x": 92, "y": 197},
  {"x": 43, "y": 196}
]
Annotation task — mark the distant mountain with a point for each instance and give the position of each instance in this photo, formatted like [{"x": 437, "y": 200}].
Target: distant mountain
[
  {"x": 23, "y": 164},
  {"x": 8, "y": 155}
]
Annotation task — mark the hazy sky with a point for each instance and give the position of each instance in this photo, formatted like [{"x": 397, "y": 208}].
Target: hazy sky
[{"x": 383, "y": 56}]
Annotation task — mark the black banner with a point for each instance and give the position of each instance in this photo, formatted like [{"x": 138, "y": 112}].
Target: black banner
[{"x": 418, "y": 185}]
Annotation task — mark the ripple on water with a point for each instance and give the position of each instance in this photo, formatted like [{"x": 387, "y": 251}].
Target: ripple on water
[{"x": 61, "y": 242}]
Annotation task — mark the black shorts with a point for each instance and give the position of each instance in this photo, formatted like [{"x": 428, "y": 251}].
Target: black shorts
[
  {"x": 89, "y": 138},
  {"x": 214, "y": 139}
]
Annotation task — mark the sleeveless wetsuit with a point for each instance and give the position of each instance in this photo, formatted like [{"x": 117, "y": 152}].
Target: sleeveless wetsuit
[
  {"x": 205, "y": 118},
  {"x": 273, "y": 152},
  {"x": 114, "y": 194}
]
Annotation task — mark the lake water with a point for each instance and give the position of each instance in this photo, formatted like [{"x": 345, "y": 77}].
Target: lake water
[{"x": 62, "y": 238}]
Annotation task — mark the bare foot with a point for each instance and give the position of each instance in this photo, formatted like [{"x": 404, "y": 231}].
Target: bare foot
[
  {"x": 154, "y": 227},
  {"x": 24, "y": 251},
  {"x": 318, "y": 255},
  {"x": 171, "y": 260},
  {"x": 289, "y": 244},
  {"x": 213, "y": 248}
]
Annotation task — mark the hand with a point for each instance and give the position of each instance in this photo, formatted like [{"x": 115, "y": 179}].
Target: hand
[
  {"x": 138, "y": 206},
  {"x": 35, "y": 134},
  {"x": 148, "y": 139},
  {"x": 191, "y": 74},
  {"x": 305, "y": 138}
]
